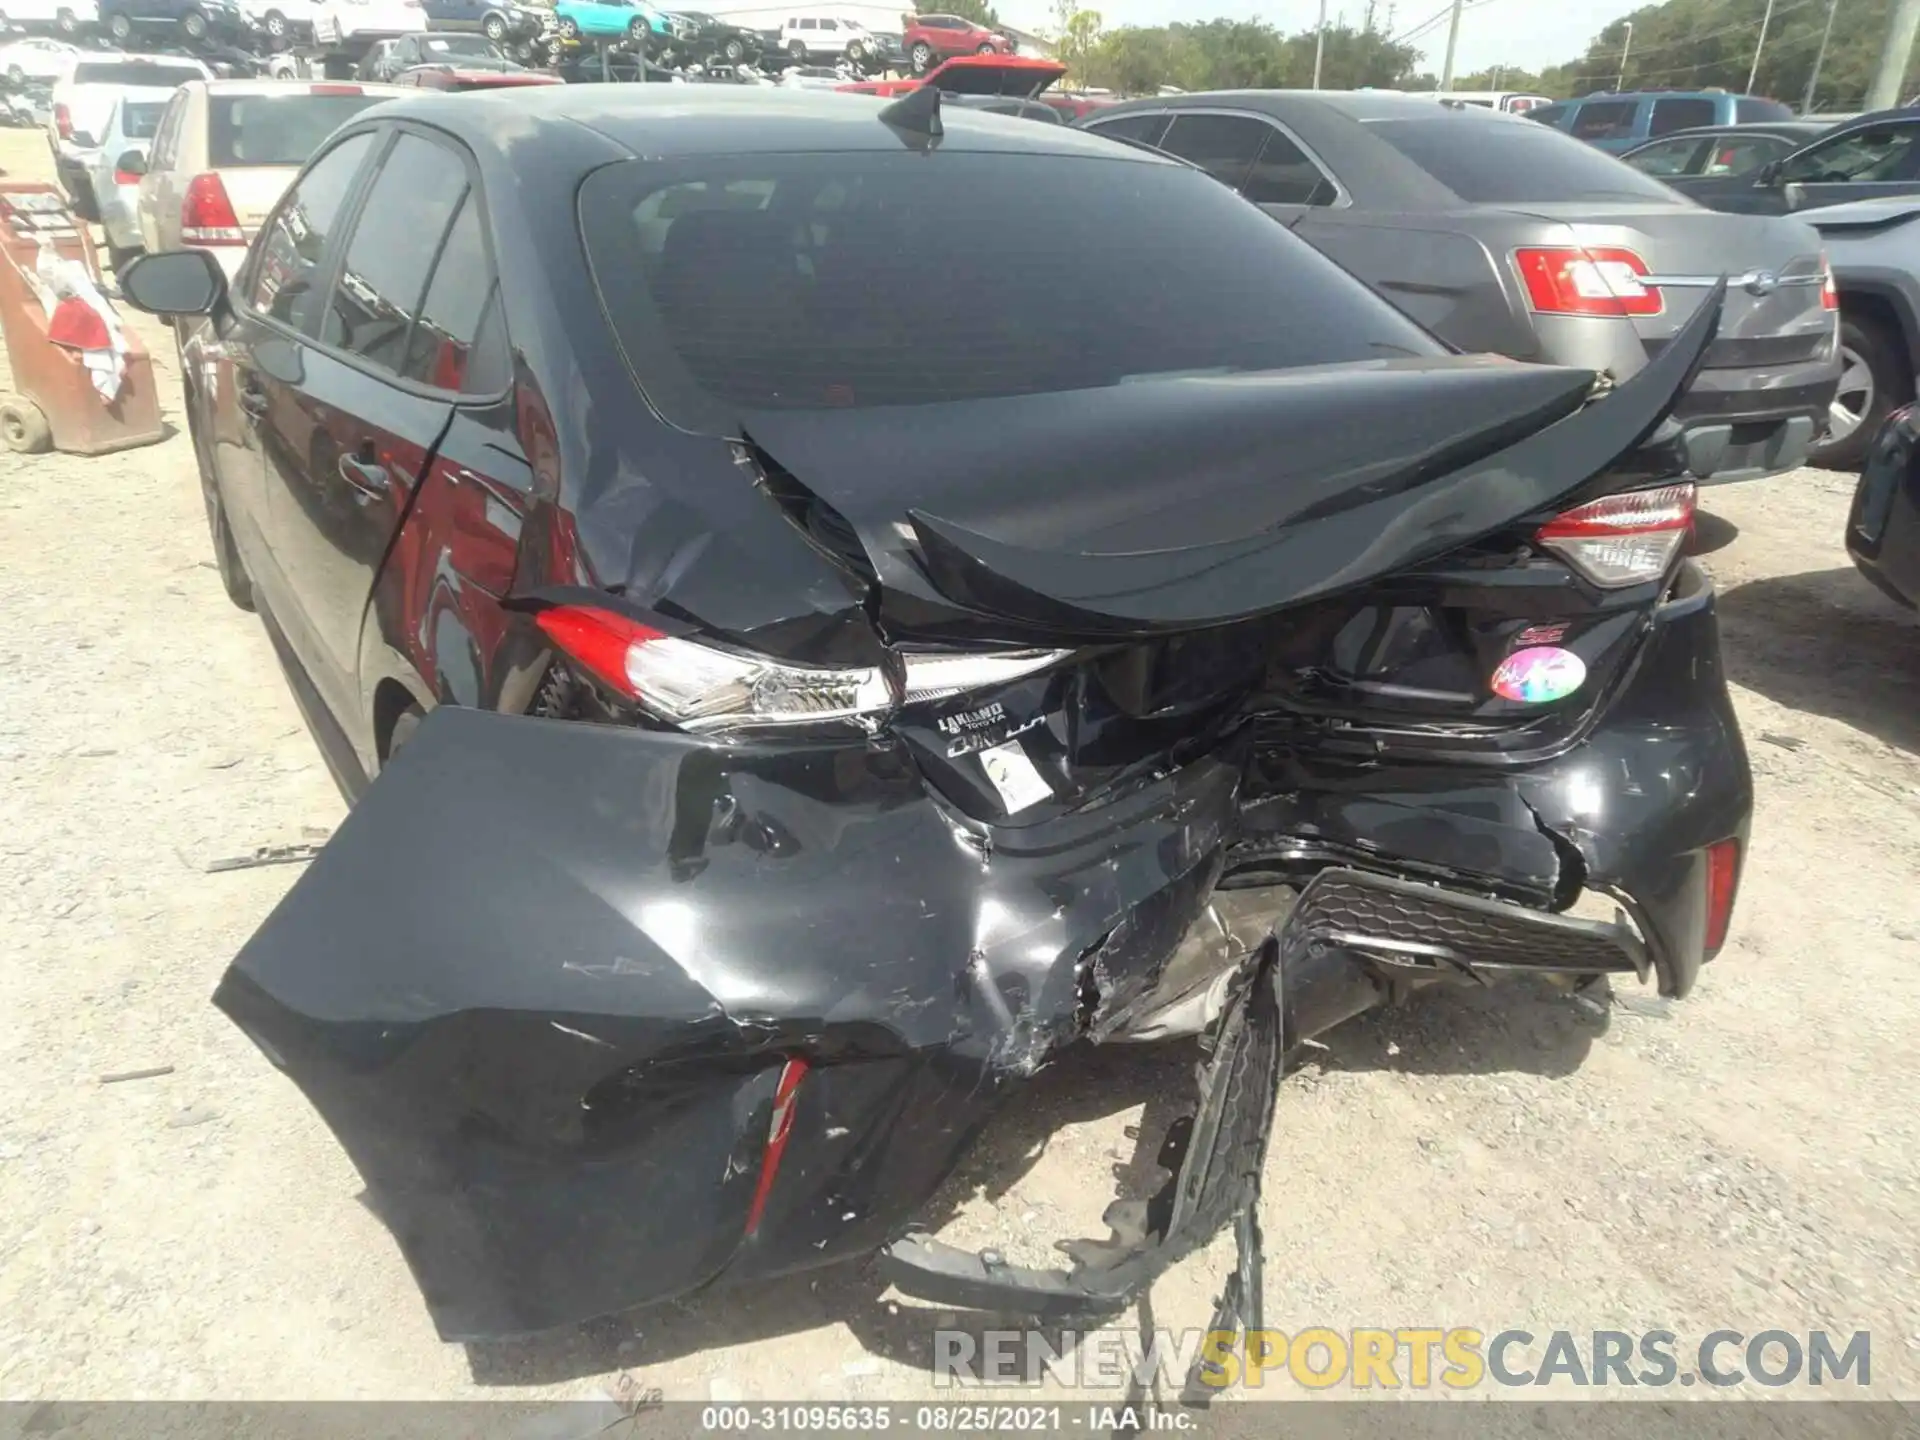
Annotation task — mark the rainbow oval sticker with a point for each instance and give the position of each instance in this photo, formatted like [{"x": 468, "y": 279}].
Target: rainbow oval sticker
[{"x": 1537, "y": 675}]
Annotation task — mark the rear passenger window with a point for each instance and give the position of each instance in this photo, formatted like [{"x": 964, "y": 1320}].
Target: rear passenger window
[
  {"x": 1144, "y": 128},
  {"x": 458, "y": 340},
  {"x": 290, "y": 252},
  {"x": 1672, "y": 115},
  {"x": 1283, "y": 175},
  {"x": 412, "y": 201},
  {"x": 1548, "y": 114},
  {"x": 1604, "y": 119},
  {"x": 1225, "y": 146}
]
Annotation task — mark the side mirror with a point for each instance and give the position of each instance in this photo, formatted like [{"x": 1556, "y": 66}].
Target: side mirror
[
  {"x": 1770, "y": 173},
  {"x": 174, "y": 282},
  {"x": 131, "y": 162}
]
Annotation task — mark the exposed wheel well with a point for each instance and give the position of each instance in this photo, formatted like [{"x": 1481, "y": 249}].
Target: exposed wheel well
[
  {"x": 391, "y": 700},
  {"x": 1874, "y": 309}
]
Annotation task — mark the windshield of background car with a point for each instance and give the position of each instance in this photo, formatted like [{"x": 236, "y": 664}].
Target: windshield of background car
[
  {"x": 1863, "y": 157},
  {"x": 140, "y": 118},
  {"x": 458, "y": 45},
  {"x": 859, "y": 279},
  {"x": 1506, "y": 162},
  {"x": 134, "y": 72},
  {"x": 276, "y": 129}
]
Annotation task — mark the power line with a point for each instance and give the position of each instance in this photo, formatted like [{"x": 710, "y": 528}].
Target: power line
[{"x": 1684, "y": 41}]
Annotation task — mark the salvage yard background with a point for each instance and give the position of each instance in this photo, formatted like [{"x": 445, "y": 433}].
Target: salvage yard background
[{"x": 1746, "y": 1160}]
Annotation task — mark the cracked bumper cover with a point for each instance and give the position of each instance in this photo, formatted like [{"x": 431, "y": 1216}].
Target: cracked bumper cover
[{"x": 543, "y": 982}]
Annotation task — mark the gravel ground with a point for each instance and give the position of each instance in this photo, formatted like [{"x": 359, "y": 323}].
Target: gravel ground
[{"x": 1746, "y": 1160}]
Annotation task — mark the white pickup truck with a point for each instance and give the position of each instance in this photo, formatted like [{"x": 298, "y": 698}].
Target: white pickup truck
[{"x": 83, "y": 102}]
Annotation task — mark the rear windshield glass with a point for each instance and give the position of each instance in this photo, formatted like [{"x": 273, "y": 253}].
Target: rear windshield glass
[
  {"x": 459, "y": 45},
  {"x": 1502, "y": 163},
  {"x": 874, "y": 278},
  {"x": 139, "y": 119},
  {"x": 134, "y": 72},
  {"x": 276, "y": 129}
]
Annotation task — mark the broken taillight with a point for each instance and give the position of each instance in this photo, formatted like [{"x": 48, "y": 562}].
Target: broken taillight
[
  {"x": 206, "y": 214},
  {"x": 1723, "y": 880},
  {"x": 1625, "y": 539},
  {"x": 785, "y": 1094},
  {"x": 1586, "y": 280},
  {"x": 701, "y": 686}
]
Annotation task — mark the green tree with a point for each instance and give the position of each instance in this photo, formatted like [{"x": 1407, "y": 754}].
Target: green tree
[{"x": 1710, "y": 44}]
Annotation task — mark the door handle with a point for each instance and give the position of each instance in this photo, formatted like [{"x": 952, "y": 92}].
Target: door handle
[
  {"x": 253, "y": 402},
  {"x": 365, "y": 475}
]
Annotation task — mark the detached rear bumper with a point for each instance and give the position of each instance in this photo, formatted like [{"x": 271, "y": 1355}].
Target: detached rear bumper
[{"x": 606, "y": 1015}]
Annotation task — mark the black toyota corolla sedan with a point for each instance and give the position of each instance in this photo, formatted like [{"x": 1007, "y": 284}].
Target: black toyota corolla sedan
[{"x": 820, "y": 605}]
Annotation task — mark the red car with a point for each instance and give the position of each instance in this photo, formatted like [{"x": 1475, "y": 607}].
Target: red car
[
  {"x": 453, "y": 77},
  {"x": 933, "y": 38},
  {"x": 1005, "y": 75}
]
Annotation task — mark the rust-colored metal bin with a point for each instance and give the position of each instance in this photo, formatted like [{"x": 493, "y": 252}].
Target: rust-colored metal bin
[{"x": 55, "y": 402}]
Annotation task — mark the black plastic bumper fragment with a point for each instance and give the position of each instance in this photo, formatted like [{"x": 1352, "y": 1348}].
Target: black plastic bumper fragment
[{"x": 1216, "y": 1162}]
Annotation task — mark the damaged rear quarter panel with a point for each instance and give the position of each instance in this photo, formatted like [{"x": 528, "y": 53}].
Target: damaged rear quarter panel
[{"x": 540, "y": 982}]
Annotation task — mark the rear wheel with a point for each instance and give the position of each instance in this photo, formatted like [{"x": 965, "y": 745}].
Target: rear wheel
[
  {"x": 798, "y": 50},
  {"x": 1872, "y": 382},
  {"x": 922, "y": 57},
  {"x": 569, "y": 28},
  {"x": 639, "y": 32},
  {"x": 494, "y": 27},
  {"x": 121, "y": 28},
  {"x": 276, "y": 25},
  {"x": 67, "y": 23},
  {"x": 195, "y": 25},
  {"x": 986, "y": 49},
  {"x": 734, "y": 51}
]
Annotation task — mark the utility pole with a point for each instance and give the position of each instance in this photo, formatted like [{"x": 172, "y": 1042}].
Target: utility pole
[
  {"x": 1819, "y": 58},
  {"x": 1319, "y": 44},
  {"x": 1453, "y": 39},
  {"x": 1626, "y": 48},
  {"x": 1765, "y": 21},
  {"x": 1892, "y": 73}
]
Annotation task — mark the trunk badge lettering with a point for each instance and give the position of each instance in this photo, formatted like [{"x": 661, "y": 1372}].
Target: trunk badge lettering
[
  {"x": 1760, "y": 282},
  {"x": 1538, "y": 675}
]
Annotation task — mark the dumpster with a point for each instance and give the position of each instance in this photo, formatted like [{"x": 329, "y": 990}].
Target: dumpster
[{"x": 82, "y": 382}]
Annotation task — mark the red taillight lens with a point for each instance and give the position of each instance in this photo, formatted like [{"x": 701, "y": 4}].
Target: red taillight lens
[
  {"x": 1625, "y": 539},
  {"x": 785, "y": 1094},
  {"x": 206, "y": 215},
  {"x": 1829, "y": 295},
  {"x": 125, "y": 177},
  {"x": 1582, "y": 280},
  {"x": 599, "y": 640},
  {"x": 63, "y": 121},
  {"x": 1723, "y": 881}
]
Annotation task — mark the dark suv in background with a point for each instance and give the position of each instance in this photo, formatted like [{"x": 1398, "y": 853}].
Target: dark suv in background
[{"x": 1502, "y": 235}]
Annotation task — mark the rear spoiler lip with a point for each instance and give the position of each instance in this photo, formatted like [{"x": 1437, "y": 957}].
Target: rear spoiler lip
[{"x": 1185, "y": 588}]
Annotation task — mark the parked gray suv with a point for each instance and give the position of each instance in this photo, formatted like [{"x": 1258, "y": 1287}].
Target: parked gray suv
[{"x": 1506, "y": 236}]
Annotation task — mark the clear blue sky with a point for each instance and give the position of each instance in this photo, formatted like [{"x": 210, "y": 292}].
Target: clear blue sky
[{"x": 1529, "y": 33}]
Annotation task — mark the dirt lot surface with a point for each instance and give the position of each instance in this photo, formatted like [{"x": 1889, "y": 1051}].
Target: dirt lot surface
[{"x": 1747, "y": 1160}]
